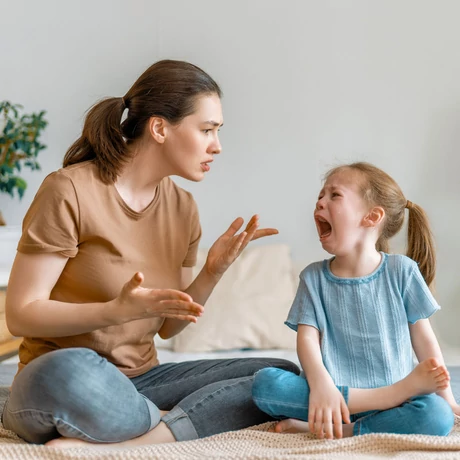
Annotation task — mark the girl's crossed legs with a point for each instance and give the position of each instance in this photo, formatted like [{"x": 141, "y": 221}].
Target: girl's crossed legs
[{"x": 406, "y": 407}]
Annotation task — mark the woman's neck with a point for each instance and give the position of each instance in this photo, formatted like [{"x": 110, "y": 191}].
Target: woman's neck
[
  {"x": 139, "y": 179},
  {"x": 356, "y": 264}
]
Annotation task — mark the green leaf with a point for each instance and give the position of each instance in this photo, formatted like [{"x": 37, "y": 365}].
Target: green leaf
[{"x": 19, "y": 144}]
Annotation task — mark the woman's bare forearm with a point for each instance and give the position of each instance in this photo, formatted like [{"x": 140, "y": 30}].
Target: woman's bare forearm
[
  {"x": 50, "y": 318},
  {"x": 200, "y": 290}
]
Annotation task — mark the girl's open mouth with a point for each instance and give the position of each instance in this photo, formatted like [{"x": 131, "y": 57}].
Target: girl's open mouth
[{"x": 323, "y": 226}]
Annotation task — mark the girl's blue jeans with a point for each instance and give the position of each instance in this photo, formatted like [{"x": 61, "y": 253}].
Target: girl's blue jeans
[
  {"x": 76, "y": 393},
  {"x": 283, "y": 394}
]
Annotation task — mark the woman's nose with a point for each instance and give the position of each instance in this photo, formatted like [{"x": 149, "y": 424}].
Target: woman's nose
[{"x": 216, "y": 147}]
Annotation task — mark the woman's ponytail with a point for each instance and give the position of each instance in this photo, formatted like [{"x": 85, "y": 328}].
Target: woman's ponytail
[{"x": 102, "y": 140}]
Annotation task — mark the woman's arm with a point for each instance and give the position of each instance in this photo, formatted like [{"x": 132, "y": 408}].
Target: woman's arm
[
  {"x": 425, "y": 346},
  {"x": 31, "y": 313},
  {"x": 199, "y": 290},
  {"x": 222, "y": 254}
]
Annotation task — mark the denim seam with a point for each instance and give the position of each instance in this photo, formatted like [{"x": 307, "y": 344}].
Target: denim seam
[
  {"x": 187, "y": 379},
  {"x": 277, "y": 401},
  {"x": 153, "y": 422},
  {"x": 359, "y": 422},
  {"x": 56, "y": 419},
  {"x": 217, "y": 391},
  {"x": 182, "y": 419}
]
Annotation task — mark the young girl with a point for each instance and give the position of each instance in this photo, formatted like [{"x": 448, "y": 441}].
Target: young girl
[{"x": 358, "y": 316}]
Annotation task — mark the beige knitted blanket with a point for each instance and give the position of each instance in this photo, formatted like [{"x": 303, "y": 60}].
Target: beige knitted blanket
[{"x": 256, "y": 443}]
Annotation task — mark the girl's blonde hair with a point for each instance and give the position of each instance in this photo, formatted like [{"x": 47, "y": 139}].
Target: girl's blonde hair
[{"x": 379, "y": 189}]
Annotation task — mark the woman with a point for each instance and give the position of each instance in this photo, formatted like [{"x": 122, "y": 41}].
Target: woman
[{"x": 104, "y": 264}]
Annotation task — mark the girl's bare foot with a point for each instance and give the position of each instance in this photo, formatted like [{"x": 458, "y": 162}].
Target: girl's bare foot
[
  {"x": 293, "y": 425},
  {"x": 428, "y": 377}
]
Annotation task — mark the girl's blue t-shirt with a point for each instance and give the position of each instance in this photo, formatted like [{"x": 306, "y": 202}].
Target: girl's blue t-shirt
[{"x": 364, "y": 322}]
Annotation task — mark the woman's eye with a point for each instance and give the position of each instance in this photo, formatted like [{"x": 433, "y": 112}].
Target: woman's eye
[
  {"x": 334, "y": 194},
  {"x": 207, "y": 131}
]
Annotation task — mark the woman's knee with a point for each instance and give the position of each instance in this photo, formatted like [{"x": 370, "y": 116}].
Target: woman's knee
[
  {"x": 65, "y": 364},
  {"x": 82, "y": 395},
  {"x": 434, "y": 415},
  {"x": 56, "y": 375}
]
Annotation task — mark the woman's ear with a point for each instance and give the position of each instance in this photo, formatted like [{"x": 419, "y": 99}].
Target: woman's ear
[
  {"x": 374, "y": 217},
  {"x": 157, "y": 129}
]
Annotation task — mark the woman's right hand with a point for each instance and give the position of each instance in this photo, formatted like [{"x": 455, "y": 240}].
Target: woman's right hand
[
  {"x": 138, "y": 302},
  {"x": 326, "y": 411}
]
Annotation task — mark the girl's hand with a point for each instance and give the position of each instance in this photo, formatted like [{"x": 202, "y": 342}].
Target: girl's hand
[
  {"x": 456, "y": 409},
  {"x": 327, "y": 409},
  {"x": 136, "y": 302},
  {"x": 230, "y": 245}
]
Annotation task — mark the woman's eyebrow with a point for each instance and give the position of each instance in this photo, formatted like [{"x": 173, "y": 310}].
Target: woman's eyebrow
[{"x": 213, "y": 123}]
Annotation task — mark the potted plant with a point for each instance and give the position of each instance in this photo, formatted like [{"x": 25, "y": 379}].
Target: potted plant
[{"x": 19, "y": 147}]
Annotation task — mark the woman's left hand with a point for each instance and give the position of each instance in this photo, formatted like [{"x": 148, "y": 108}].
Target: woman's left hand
[{"x": 230, "y": 245}]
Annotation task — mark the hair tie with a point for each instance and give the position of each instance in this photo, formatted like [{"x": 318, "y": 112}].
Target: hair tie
[
  {"x": 409, "y": 204},
  {"x": 123, "y": 102}
]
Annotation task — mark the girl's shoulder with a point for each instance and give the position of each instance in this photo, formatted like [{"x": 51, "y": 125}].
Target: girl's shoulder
[
  {"x": 313, "y": 270},
  {"x": 401, "y": 261},
  {"x": 401, "y": 266}
]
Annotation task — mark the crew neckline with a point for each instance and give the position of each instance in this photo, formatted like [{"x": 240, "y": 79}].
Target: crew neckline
[{"x": 359, "y": 280}]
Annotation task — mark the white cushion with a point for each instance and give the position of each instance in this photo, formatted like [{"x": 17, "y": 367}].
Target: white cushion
[{"x": 248, "y": 307}]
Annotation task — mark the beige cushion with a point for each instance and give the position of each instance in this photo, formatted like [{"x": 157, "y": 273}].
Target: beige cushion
[{"x": 248, "y": 307}]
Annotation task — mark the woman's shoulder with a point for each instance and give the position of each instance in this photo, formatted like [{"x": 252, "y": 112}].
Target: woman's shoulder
[
  {"x": 80, "y": 172},
  {"x": 70, "y": 180},
  {"x": 172, "y": 190}
]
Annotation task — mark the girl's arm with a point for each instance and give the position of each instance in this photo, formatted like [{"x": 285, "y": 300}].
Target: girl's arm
[
  {"x": 426, "y": 346},
  {"x": 326, "y": 406}
]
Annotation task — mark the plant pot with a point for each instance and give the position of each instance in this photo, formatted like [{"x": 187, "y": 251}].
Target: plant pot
[{"x": 2, "y": 220}]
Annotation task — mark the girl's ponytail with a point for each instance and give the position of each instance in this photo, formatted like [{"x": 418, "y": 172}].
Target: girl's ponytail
[{"x": 420, "y": 242}]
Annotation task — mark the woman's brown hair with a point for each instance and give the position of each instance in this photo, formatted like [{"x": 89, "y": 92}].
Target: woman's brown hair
[
  {"x": 167, "y": 89},
  {"x": 380, "y": 189}
]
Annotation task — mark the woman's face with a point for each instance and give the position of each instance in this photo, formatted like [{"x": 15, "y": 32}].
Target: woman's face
[{"x": 191, "y": 145}]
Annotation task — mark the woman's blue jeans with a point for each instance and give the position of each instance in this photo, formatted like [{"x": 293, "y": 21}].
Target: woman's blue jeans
[
  {"x": 76, "y": 393},
  {"x": 283, "y": 394}
]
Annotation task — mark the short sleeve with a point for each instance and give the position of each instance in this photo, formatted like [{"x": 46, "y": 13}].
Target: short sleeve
[
  {"x": 195, "y": 236},
  {"x": 51, "y": 223},
  {"x": 303, "y": 308},
  {"x": 418, "y": 300}
]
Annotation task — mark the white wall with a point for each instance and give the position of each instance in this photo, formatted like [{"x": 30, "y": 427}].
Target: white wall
[{"x": 307, "y": 84}]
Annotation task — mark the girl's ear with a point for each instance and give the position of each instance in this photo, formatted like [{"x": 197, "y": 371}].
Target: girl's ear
[
  {"x": 374, "y": 217},
  {"x": 157, "y": 128}
]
